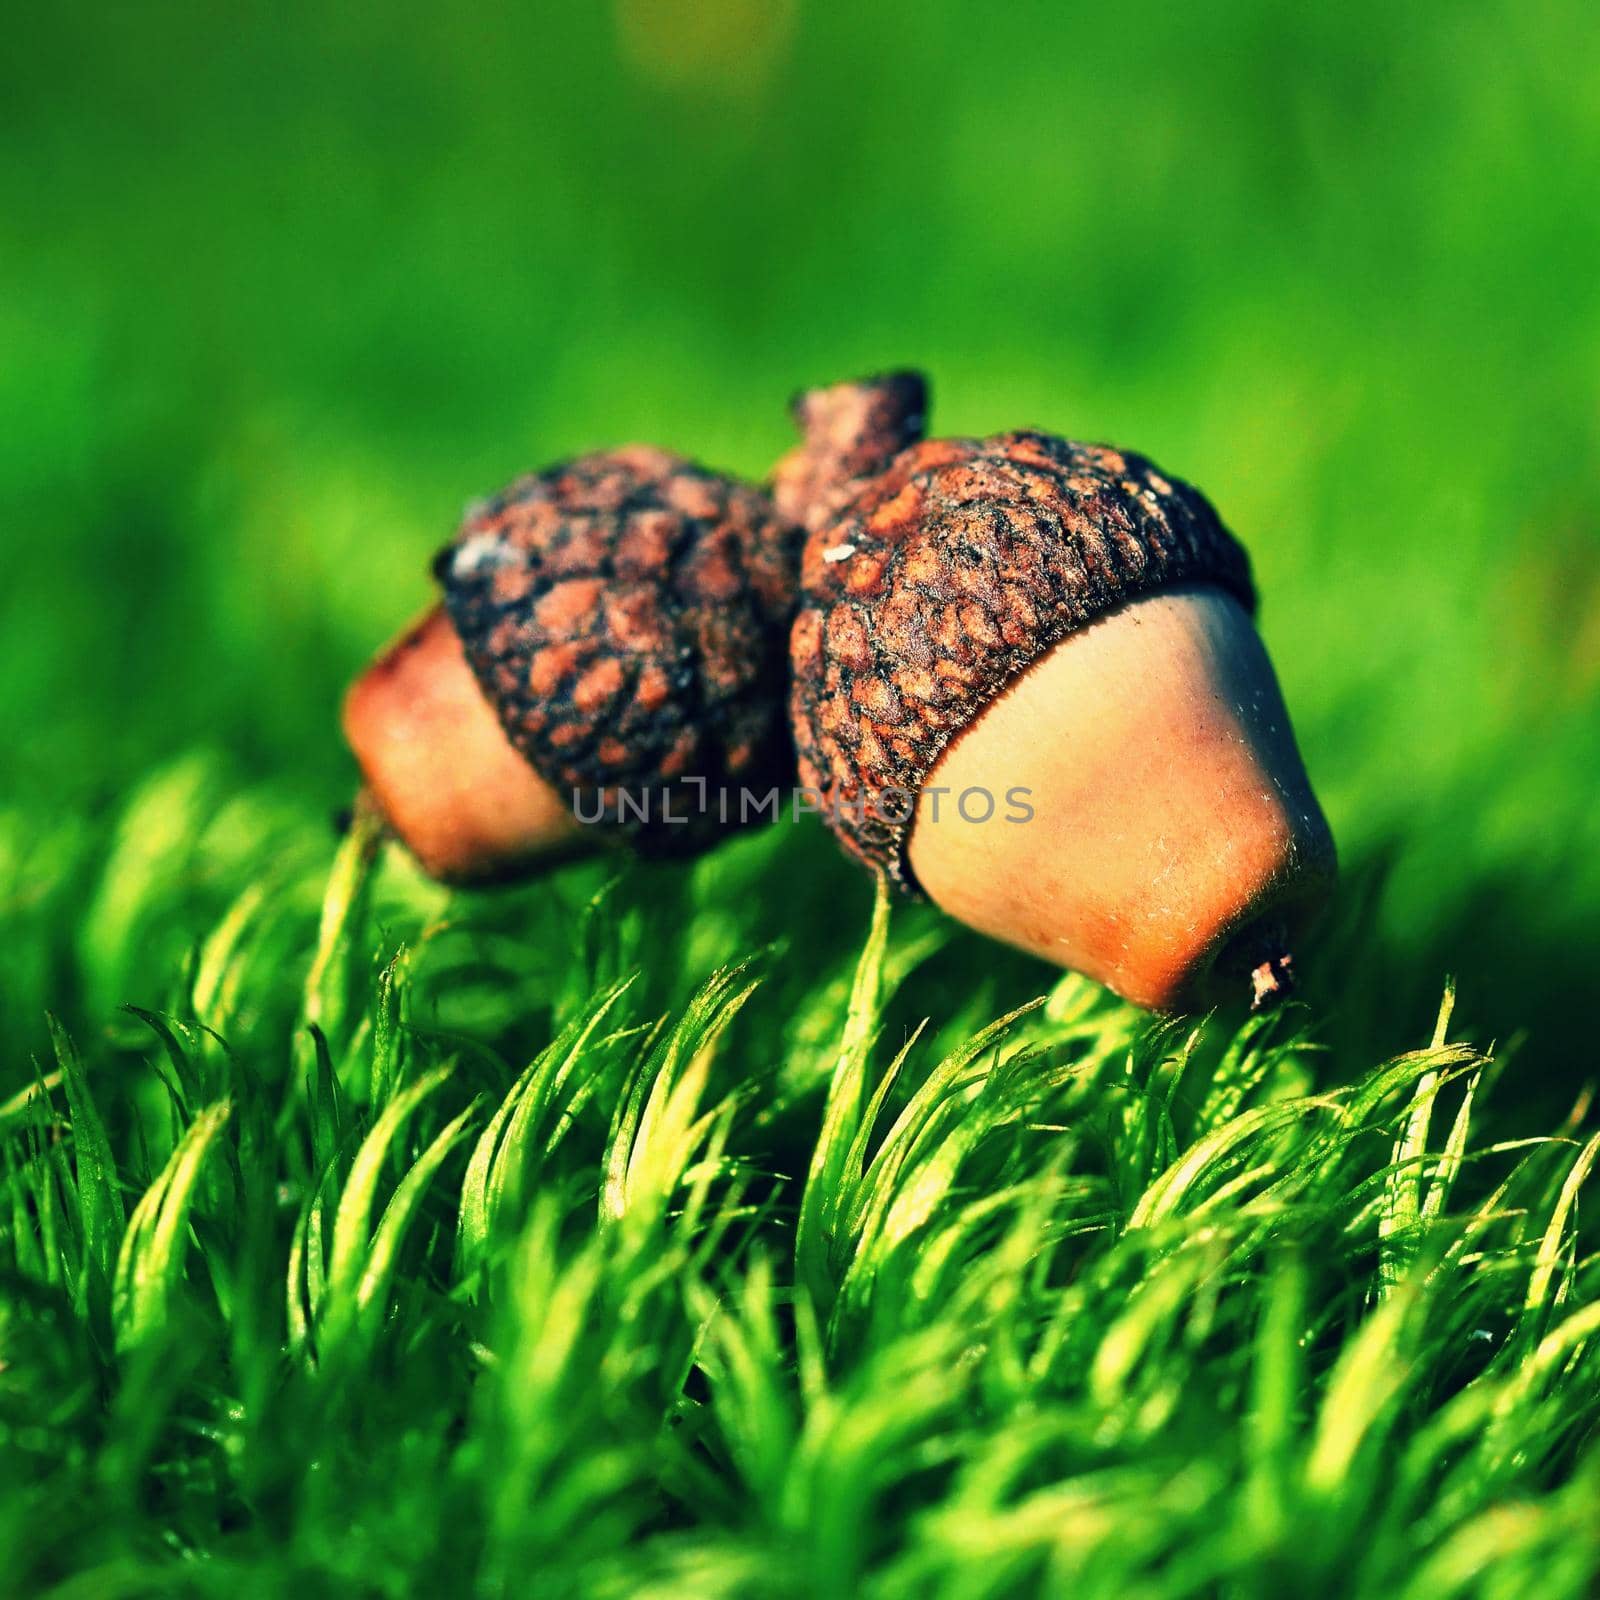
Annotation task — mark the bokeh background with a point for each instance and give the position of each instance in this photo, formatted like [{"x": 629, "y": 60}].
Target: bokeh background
[{"x": 282, "y": 287}]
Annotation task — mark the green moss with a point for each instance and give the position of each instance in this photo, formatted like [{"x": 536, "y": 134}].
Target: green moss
[{"x": 643, "y": 1236}]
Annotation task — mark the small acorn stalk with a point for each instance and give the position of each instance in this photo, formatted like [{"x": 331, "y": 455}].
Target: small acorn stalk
[
  {"x": 1027, "y": 685},
  {"x": 611, "y": 636},
  {"x": 849, "y": 433}
]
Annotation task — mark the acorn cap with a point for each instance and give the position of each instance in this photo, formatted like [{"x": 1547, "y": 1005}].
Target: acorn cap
[
  {"x": 612, "y": 641},
  {"x": 944, "y": 580},
  {"x": 624, "y": 613}
]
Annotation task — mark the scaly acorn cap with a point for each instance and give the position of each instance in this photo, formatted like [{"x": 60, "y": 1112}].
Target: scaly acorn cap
[
  {"x": 944, "y": 579},
  {"x": 624, "y": 613}
]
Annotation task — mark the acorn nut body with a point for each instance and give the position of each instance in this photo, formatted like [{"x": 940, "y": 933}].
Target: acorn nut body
[
  {"x": 1026, "y": 684},
  {"x": 611, "y": 641},
  {"x": 440, "y": 769}
]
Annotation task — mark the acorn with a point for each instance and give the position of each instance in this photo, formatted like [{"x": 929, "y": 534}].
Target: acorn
[
  {"x": 1027, "y": 685},
  {"x": 607, "y": 666}
]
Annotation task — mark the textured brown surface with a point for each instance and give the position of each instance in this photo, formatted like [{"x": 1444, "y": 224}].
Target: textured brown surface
[
  {"x": 625, "y": 612},
  {"x": 952, "y": 572},
  {"x": 850, "y": 432}
]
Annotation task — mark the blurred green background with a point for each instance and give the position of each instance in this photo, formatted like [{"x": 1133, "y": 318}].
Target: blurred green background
[{"x": 282, "y": 287}]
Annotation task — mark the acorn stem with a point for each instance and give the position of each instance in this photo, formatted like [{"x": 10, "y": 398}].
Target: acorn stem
[
  {"x": 850, "y": 432},
  {"x": 1272, "y": 982}
]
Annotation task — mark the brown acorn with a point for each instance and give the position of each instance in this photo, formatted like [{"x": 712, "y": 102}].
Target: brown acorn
[
  {"x": 1027, "y": 685},
  {"x": 610, "y": 651}
]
